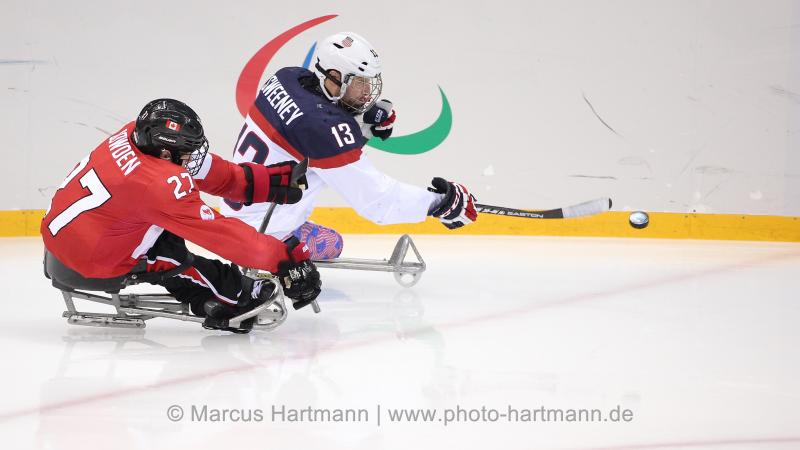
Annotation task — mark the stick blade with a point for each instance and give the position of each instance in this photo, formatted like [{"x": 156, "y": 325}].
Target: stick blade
[{"x": 589, "y": 208}]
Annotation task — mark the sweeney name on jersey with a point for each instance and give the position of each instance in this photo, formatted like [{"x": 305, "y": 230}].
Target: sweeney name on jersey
[
  {"x": 280, "y": 100},
  {"x": 302, "y": 122}
]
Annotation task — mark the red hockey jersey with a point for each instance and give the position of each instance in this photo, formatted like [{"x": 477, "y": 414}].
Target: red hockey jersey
[{"x": 115, "y": 203}]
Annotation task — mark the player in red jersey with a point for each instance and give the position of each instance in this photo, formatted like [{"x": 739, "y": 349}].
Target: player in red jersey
[{"x": 128, "y": 206}]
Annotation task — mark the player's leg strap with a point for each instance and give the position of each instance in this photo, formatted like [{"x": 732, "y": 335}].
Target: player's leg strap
[{"x": 158, "y": 277}]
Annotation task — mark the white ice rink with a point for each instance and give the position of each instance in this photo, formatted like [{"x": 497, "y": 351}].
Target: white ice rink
[{"x": 699, "y": 340}]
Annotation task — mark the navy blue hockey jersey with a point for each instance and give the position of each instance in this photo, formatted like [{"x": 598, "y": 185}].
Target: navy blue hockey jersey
[
  {"x": 291, "y": 120},
  {"x": 304, "y": 123}
]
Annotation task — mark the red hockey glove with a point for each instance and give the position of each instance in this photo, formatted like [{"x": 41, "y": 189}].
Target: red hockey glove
[{"x": 271, "y": 183}]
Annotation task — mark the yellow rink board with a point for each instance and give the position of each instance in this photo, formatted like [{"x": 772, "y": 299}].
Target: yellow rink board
[{"x": 610, "y": 224}]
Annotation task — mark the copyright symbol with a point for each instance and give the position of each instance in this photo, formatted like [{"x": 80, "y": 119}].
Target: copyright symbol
[{"x": 175, "y": 413}]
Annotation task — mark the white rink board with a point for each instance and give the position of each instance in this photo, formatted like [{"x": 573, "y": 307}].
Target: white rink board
[{"x": 702, "y": 96}]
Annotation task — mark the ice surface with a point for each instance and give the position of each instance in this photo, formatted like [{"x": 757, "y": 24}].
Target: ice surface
[{"x": 698, "y": 339}]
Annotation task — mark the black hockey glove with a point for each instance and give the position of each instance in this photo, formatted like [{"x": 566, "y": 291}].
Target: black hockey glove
[
  {"x": 379, "y": 120},
  {"x": 271, "y": 183},
  {"x": 457, "y": 207},
  {"x": 298, "y": 275}
]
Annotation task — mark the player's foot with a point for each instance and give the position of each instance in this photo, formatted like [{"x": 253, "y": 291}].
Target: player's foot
[{"x": 255, "y": 292}]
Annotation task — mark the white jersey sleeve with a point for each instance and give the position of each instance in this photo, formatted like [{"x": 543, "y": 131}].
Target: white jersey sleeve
[{"x": 377, "y": 196}]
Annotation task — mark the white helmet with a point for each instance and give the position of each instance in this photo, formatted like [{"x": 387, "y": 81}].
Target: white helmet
[{"x": 358, "y": 63}]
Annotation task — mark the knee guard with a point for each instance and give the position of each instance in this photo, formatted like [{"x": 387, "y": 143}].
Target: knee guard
[{"x": 324, "y": 243}]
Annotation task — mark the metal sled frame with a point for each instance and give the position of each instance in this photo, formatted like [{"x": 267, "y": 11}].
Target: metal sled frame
[
  {"x": 406, "y": 273},
  {"x": 132, "y": 310}
]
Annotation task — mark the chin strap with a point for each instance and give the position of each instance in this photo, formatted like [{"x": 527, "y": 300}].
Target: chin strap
[
  {"x": 327, "y": 76},
  {"x": 174, "y": 156}
]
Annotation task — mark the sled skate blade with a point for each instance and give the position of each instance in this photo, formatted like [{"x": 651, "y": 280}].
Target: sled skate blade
[
  {"x": 103, "y": 320},
  {"x": 133, "y": 309}
]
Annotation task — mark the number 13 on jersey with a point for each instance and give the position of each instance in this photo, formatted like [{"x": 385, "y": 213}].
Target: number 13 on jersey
[{"x": 346, "y": 138}]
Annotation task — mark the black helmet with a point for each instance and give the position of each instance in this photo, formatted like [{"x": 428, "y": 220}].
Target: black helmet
[{"x": 167, "y": 124}]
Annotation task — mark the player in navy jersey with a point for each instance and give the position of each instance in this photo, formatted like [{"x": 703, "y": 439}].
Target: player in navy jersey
[{"x": 327, "y": 115}]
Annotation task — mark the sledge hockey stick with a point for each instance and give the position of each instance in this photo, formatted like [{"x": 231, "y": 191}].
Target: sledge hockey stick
[
  {"x": 589, "y": 208},
  {"x": 298, "y": 171}
]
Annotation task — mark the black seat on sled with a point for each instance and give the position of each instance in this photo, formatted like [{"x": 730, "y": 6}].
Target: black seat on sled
[{"x": 66, "y": 279}]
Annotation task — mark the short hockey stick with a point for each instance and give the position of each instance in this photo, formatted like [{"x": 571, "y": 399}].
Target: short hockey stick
[
  {"x": 298, "y": 171},
  {"x": 589, "y": 208}
]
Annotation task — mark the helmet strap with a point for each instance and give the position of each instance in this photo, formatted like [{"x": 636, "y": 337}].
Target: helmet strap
[
  {"x": 327, "y": 75},
  {"x": 174, "y": 155}
]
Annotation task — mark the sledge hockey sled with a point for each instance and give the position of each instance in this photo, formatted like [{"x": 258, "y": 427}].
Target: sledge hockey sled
[{"x": 131, "y": 310}]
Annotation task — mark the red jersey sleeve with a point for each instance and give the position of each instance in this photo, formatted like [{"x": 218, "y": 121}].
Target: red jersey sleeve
[
  {"x": 177, "y": 207},
  {"x": 222, "y": 178}
]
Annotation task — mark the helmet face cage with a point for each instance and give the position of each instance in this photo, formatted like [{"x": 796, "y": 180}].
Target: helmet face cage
[
  {"x": 359, "y": 93},
  {"x": 196, "y": 157}
]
